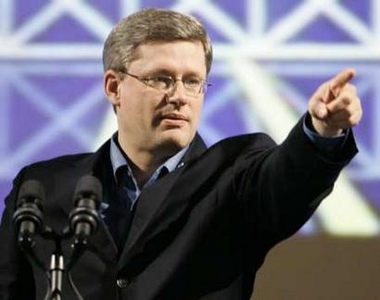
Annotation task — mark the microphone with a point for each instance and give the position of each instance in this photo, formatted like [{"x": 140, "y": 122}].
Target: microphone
[
  {"x": 28, "y": 215},
  {"x": 84, "y": 219}
]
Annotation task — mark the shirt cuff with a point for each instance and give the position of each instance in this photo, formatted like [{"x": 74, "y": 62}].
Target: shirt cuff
[{"x": 324, "y": 144}]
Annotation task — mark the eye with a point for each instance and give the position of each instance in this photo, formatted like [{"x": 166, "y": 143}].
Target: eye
[
  {"x": 162, "y": 82},
  {"x": 193, "y": 82}
]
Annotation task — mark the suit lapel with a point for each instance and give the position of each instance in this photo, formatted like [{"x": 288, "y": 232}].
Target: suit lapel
[{"x": 150, "y": 216}]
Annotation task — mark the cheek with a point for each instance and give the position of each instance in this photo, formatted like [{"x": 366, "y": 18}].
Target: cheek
[
  {"x": 197, "y": 110},
  {"x": 138, "y": 115},
  {"x": 135, "y": 106}
]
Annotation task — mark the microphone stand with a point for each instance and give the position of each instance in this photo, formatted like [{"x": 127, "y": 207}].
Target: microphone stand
[
  {"x": 57, "y": 264},
  {"x": 56, "y": 271}
]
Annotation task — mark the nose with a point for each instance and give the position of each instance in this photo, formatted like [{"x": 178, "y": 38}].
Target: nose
[{"x": 177, "y": 94}]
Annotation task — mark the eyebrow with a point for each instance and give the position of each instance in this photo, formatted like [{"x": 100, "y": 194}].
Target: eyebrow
[{"x": 167, "y": 71}]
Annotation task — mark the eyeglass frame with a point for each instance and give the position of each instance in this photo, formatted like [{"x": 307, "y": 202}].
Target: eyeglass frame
[{"x": 144, "y": 80}]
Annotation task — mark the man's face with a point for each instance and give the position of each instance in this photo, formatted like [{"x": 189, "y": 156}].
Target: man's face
[{"x": 150, "y": 119}]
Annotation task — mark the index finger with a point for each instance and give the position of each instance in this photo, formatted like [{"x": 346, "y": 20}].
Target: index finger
[{"x": 340, "y": 80}]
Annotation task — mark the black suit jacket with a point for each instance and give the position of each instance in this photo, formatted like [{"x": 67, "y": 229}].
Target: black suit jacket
[{"x": 200, "y": 232}]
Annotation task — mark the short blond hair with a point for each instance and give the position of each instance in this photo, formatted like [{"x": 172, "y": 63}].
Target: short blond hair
[{"x": 147, "y": 26}]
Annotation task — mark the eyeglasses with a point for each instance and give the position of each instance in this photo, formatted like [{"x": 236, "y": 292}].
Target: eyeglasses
[{"x": 193, "y": 85}]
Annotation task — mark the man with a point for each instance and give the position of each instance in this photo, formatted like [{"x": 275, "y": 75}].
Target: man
[{"x": 196, "y": 223}]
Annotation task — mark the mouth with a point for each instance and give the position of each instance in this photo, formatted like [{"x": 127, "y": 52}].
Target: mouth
[
  {"x": 174, "y": 119},
  {"x": 175, "y": 116}
]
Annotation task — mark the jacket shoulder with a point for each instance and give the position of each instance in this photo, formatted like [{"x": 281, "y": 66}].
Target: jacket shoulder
[
  {"x": 247, "y": 142},
  {"x": 60, "y": 160}
]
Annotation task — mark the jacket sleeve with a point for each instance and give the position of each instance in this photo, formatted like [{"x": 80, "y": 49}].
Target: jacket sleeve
[{"x": 282, "y": 187}]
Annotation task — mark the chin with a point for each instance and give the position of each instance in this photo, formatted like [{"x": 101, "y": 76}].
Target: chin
[{"x": 176, "y": 142}]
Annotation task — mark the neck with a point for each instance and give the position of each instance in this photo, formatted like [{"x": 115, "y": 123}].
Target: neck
[
  {"x": 143, "y": 166},
  {"x": 141, "y": 176},
  {"x": 144, "y": 162}
]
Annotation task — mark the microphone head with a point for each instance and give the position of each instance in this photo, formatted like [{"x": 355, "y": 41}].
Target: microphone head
[
  {"x": 88, "y": 187},
  {"x": 31, "y": 191},
  {"x": 28, "y": 217}
]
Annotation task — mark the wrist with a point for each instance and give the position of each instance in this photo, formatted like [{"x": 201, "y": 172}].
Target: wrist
[{"x": 325, "y": 130}]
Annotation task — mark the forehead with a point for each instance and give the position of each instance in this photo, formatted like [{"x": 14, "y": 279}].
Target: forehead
[{"x": 176, "y": 55}]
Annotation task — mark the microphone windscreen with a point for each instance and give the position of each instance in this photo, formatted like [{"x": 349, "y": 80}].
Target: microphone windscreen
[
  {"x": 31, "y": 189},
  {"x": 88, "y": 186}
]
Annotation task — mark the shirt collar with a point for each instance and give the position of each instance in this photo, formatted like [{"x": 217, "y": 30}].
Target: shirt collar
[{"x": 118, "y": 159}]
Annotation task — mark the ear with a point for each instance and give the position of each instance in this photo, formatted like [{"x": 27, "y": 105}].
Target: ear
[{"x": 111, "y": 82}]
